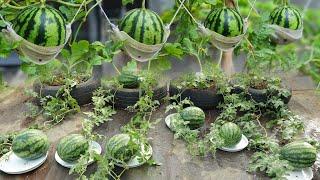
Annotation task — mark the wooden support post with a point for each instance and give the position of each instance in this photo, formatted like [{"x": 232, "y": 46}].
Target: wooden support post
[{"x": 227, "y": 62}]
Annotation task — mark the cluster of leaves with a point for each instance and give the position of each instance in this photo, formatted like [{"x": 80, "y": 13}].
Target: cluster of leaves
[
  {"x": 5, "y": 143},
  {"x": 248, "y": 114},
  {"x": 102, "y": 113}
]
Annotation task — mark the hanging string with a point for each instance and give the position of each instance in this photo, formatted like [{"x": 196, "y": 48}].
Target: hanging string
[
  {"x": 105, "y": 15},
  {"x": 252, "y": 8},
  {"x": 6, "y": 22},
  {"x": 306, "y": 6},
  {"x": 187, "y": 10},
  {"x": 74, "y": 17},
  {"x": 176, "y": 13}
]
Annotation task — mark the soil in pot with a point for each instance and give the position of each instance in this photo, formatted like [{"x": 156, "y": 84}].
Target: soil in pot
[
  {"x": 205, "y": 99},
  {"x": 82, "y": 92}
]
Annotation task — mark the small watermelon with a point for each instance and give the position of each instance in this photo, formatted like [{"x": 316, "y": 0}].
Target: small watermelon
[
  {"x": 287, "y": 17},
  {"x": 41, "y": 25},
  {"x": 194, "y": 116},
  {"x": 30, "y": 144},
  {"x": 144, "y": 26},
  {"x": 128, "y": 80},
  {"x": 121, "y": 147},
  {"x": 225, "y": 21},
  {"x": 71, "y": 147},
  {"x": 300, "y": 154},
  {"x": 230, "y": 133}
]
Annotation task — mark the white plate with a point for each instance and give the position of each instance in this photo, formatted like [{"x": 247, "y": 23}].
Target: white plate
[
  {"x": 238, "y": 147},
  {"x": 303, "y": 174},
  {"x": 134, "y": 162},
  {"x": 94, "y": 146},
  {"x": 168, "y": 120},
  {"x": 12, "y": 164}
]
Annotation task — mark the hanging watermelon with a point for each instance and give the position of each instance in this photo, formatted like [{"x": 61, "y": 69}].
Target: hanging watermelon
[
  {"x": 41, "y": 25},
  {"x": 144, "y": 26},
  {"x": 225, "y": 21},
  {"x": 287, "y": 17}
]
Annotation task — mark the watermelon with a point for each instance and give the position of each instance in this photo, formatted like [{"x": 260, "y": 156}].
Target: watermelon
[
  {"x": 194, "y": 116},
  {"x": 71, "y": 147},
  {"x": 144, "y": 26},
  {"x": 128, "y": 80},
  {"x": 225, "y": 21},
  {"x": 30, "y": 144},
  {"x": 287, "y": 17},
  {"x": 121, "y": 147},
  {"x": 230, "y": 133},
  {"x": 41, "y": 25},
  {"x": 299, "y": 154}
]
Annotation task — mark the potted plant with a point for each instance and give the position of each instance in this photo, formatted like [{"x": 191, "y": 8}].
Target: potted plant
[
  {"x": 81, "y": 66},
  {"x": 202, "y": 87}
]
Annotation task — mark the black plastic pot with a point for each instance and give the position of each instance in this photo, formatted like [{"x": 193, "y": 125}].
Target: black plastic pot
[
  {"x": 203, "y": 98},
  {"x": 81, "y": 92},
  {"x": 125, "y": 97},
  {"x": 261, "y": 96}
]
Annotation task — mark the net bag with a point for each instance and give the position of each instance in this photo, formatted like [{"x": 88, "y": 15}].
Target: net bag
[
  {"x": 36, "y": 54},
  {"x": 137, "y": 50},
  {"x": 284, "y": 36},
  {"x": 221, "y": 42}
]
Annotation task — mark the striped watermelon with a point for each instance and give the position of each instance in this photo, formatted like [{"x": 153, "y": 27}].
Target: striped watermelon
[
  {"x": 230, "y": 133},
  {"x": 225, "y": 21},
  {"x": 30, "y": 144},
  {"x": 71, "y": 147},
  {"x": 41, "y": 25},
  {"x": 287, "y": 17},
  {"x": 194, "y": 116},
  {"x": 300, "y": 154},
  {"x": 121, "y": 147},
  {"x": 128, "y": 80},
  {"x": 144, "y": 26}
]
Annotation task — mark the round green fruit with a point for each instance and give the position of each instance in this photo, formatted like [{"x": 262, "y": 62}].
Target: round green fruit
[
  {"x": 71, "y": 147},
  {"x": 287, "y": 17},
  {"x": 230, "y": 133},
  {"x": 225, "y": 21},
  {"x": 121, "y": 147},
  {"x": 41, "y": 25},
  {"x": 194, "y": 116},
  {"x": 144, "y": 26},
  {"x": 30, "y": 144},
  {"x": 300, "y": 154}
]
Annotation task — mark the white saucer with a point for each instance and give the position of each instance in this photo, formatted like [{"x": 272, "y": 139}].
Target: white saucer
[
  {"x": 238, "y": 147},
  {"x": 134, "y": 161},
  {"x": 94, "y": 146},
  {"x": 303, "y": 174},
  {"x": 12, "y": 164},
  {"x": 168, "y": 120}
]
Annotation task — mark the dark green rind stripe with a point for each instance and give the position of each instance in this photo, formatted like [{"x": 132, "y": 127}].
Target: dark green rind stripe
[
  {"x": 144, "y": 26},
  {"x": 226, "y": 31},
  {"x": 287, "y": 17},
  {"x": 72, "y": 147},
  {"x": 40, "y": 38}
]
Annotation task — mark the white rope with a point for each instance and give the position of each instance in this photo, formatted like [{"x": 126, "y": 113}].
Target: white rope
[
  {"x": 252, "y": 8},
  {"x": 105, "y": 15},
  {"x": 74, "y": 17},
  {"x": 6, "y": 22},
  {"x": 176, "y": 13},
  {"x": 187, "y": 10},
  {"x": 306, "y": 6}
]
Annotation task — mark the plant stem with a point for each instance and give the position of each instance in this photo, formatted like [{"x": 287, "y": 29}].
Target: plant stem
[
  {"x": 70, "y": 4},
  {"x": 115, "y": 67},
  {"x": 199, "y": 62},
  {"x": 143, "y": 4}
]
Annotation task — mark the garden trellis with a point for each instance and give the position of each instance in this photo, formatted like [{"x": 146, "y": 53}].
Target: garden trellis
[
  {"x": 136, "y": 50},
  {"x": 37, "y": 54}
]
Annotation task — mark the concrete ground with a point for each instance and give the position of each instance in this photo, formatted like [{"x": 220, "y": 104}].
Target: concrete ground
[{"x": 176, "y": 162}]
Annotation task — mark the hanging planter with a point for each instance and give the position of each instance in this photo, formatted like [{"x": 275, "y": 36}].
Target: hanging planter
[
  {"x": 42, "y": 32},
  {"x": 287, "y": 23},
  {"x": 226, "y": 28}
]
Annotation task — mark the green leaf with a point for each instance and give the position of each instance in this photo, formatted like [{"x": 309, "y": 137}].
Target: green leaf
[
  {"x": 174, "y": 49},
  {"x": 125, "y": 2},
  {"x": 161, "y": 63}
]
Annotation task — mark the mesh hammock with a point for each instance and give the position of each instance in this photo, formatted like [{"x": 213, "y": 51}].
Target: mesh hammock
[
  {"x": 37, "y": 54},
  {"x": 221, "y": 42},
  {"x": 137, "y": 50},
  {"x": 283, "y": 35}
]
